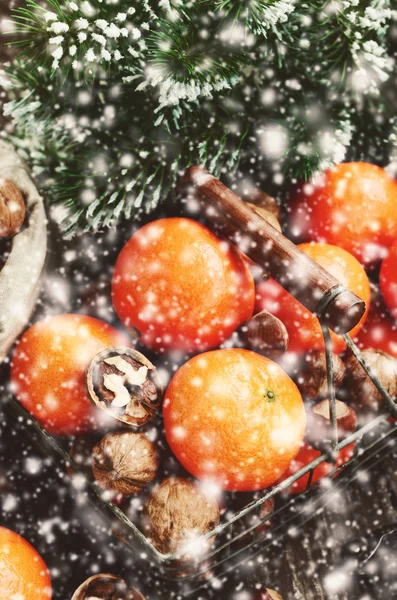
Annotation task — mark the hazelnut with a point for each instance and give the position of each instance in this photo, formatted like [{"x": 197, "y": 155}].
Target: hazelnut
[
  {"x": 267, "y": 215},
  {"x": 363, "y": 393},
  {"x": 124, "y": 462},
  {"x": 177, "y": 513},
  {"x": 319, "y": 426},
  {"x": 124, "y": 383},
  {"x": 265, "y": 513},
  {"x": 266, "y": 334},
  {"x": 312, "y": 380},
  {"x": 258, "y": 198},
  {"x": 12, "y": 209},
  {"x": 106, "y": 587}
]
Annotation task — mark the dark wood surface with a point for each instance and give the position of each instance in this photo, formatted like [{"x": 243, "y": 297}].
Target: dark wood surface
[{"x": 42, "y": 505}]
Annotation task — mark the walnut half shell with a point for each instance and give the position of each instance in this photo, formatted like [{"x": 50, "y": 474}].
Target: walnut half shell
[
  {"x": 125, "y": 384},
  {"x": 106, "y": 587}
]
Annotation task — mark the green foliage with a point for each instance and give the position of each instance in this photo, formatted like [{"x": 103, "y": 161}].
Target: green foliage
[
  {"x": 257, "y": 15},
  {"x": 111, "y": 101}
]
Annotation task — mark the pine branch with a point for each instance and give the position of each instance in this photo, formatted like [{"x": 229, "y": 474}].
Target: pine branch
[
  {"x": 352, "y": 45},
  {"x": 74, "y": 38},
  {"x": 312, "y": 149},
  {"x": 184, "y": 68},
  {"x": 258, "y": 16},
  {"x": 207, "y": 81}
]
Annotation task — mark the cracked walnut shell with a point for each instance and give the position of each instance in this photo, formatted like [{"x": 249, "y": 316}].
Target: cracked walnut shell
[
  {"x": 124, "y": 383},
  {"x": 106, "y": 587}
]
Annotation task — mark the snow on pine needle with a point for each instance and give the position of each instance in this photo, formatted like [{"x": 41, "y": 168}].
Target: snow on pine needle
[
  {"x": 354, "y": 36},
  {"x": 187, "y": 65},
  {"x": 257, "y": 15},
  {"x": 79, "y": 36}
]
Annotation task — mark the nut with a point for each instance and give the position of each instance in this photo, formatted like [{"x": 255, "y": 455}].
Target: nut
[
  {"x": 12, "y": 209},
  {"x": 268, "y": 594},
  {"x": 106, "y": 587},
  {"x": 312, "y": 380},
  {"x": 363, "y": 393},
  {"x": 176, "y": 514},
  {"x": 267, "y": 215},
  {"x": 124, "y": 462},
  {"x": 319, "y": 427},
  {"x": 258, "y": 197},
  {"x": 125, "y": 384},
  {"x": 266, "y": 511},
  {"x": 266, "y": 334}
]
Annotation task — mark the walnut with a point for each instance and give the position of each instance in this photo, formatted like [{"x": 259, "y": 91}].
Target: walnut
[
  {"x": 124, "y": 383},
  {"x": 12, "y": 209},
  {"x": 176, "y": 514},
  {"x": 106, "y": 587},
  {"x": 362, "y": 392},
  {"x": 124, "y": 462},
  {"x": 312, "y": 379}
]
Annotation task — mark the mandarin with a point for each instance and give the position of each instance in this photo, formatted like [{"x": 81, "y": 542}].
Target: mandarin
[
  {"x": 23, "y": 573},
  {"x": 352, "y": 205},
  {"x": 305, "y": 456},
  {"x": 380, "y": 329},
  {"x": 48, "y": 367},
  {"x": 181, "y": 287},
  {"x": 235, "y": 418},
  {"x": 303, "y": 327}
]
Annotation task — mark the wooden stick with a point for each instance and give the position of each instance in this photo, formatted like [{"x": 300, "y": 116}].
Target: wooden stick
[{"x": 309, "y": 283}]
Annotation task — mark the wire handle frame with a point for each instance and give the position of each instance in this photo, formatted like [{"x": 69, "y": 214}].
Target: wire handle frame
[
  {"x": 391, "y": 404},
  {"x": 331, "y": 391}
]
